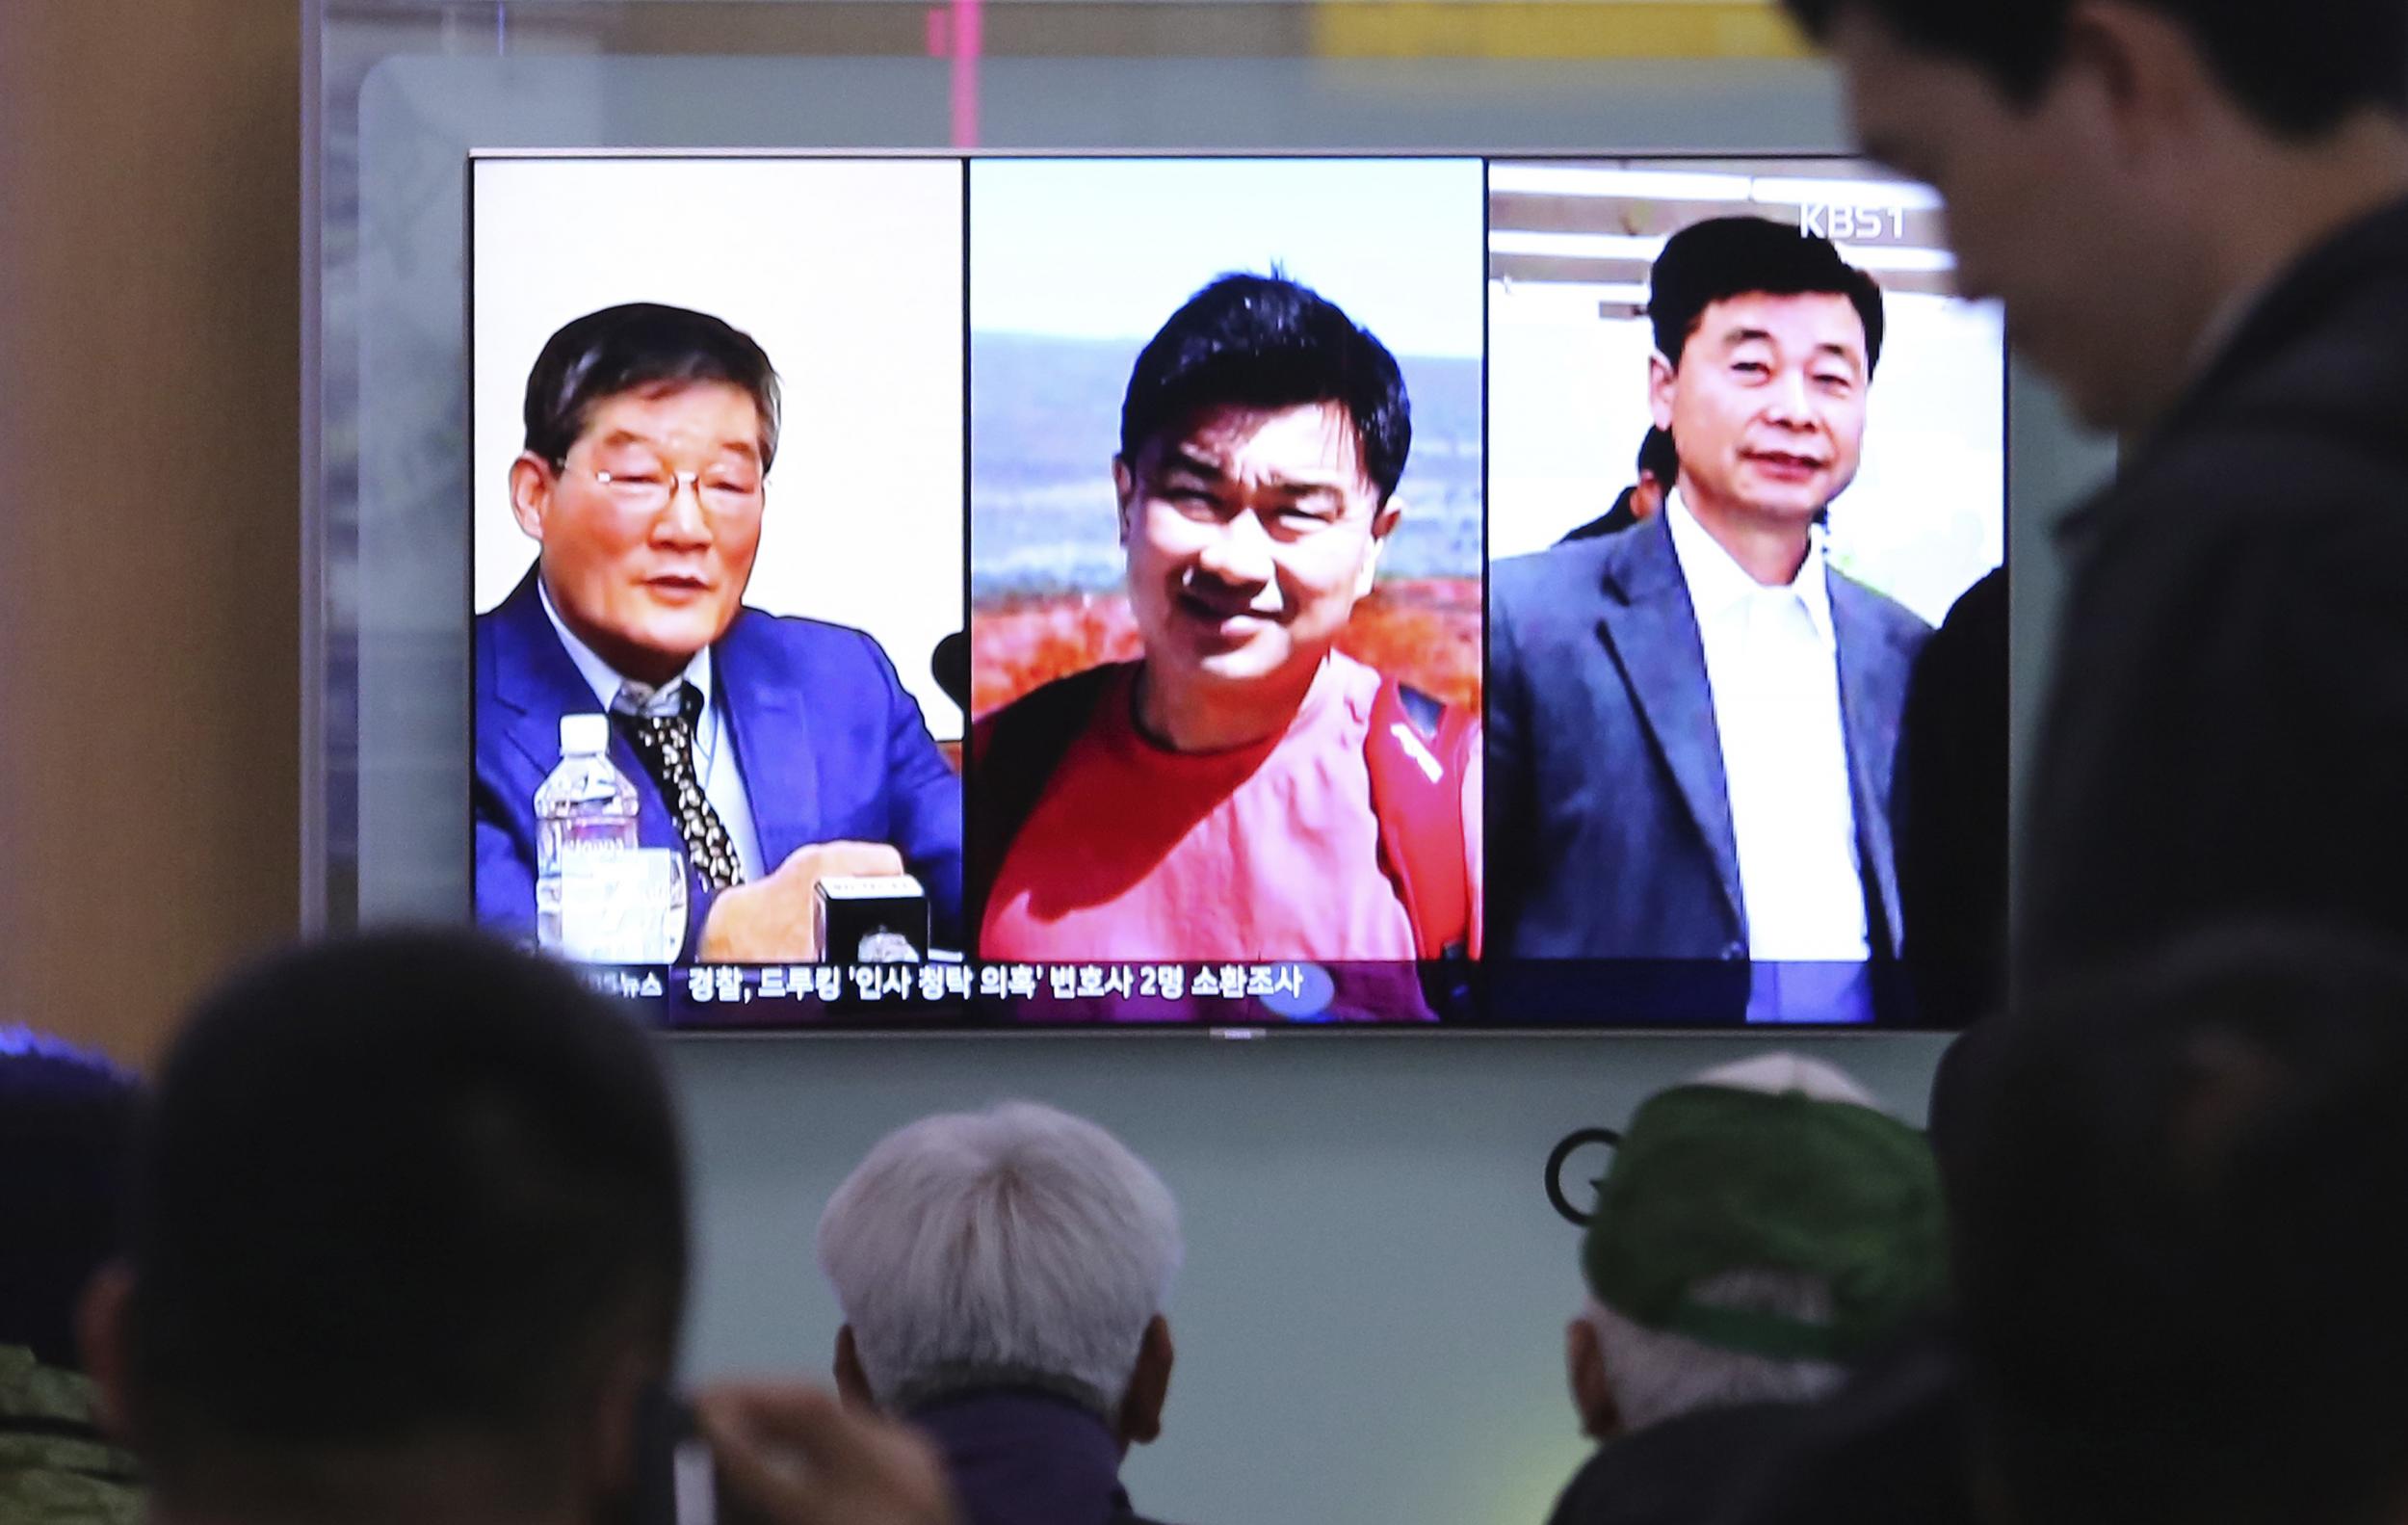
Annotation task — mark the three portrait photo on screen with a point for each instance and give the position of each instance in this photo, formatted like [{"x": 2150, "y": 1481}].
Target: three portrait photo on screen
[{"x": 1229, "y": 592}]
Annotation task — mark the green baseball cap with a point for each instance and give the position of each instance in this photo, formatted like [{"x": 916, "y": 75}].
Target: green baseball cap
[{"x": 1709, "y": 1180}]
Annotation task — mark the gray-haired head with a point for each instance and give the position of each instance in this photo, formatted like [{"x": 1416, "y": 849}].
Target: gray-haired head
[{"x": 1018, "y": 1247}]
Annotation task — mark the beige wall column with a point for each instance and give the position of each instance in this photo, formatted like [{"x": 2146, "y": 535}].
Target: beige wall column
[{"x": 149, "y": 663}]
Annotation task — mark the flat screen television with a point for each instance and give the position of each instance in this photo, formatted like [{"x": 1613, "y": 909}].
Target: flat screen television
[{"x": 1137, "y": 593}]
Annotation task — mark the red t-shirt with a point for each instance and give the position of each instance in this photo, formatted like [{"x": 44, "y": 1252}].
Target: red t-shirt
[{"x": 1268, "y": 852}]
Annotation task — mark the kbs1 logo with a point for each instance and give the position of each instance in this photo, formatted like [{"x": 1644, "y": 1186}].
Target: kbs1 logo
[{"x": 1850, "y": 224}]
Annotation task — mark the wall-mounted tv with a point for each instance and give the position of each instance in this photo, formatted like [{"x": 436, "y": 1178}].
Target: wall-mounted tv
[{"x": 1112, "y": 592}]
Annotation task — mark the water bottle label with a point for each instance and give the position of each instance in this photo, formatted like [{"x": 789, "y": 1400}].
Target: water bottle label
[{"x": 622, "y": 905}]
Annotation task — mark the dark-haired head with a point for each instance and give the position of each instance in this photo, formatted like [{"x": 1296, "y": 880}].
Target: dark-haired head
[
  {"x": 66, "y": 1119},
  {"x": 651, "y": 430},
  {"x": 1658, "y": 469},
  {"x": 2091, "y": 155},
  {"x": 399, "y": 1201},
  {"x": 2179, "y": 1241},
  {"x": 1261, "y": 439},
  {"x": 1265, "y": 341},
  {"x": 1658, "y": 459},
  {"x": 641, "y": 347},
  {"x": 1766, "y": 345},
  {"x": 1730, "y": 257}
]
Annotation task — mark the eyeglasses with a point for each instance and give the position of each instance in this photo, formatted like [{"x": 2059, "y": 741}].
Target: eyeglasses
[{"x": 652, "y": 489}]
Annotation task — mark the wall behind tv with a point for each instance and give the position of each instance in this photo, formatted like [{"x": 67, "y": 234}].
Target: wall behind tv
[{"x": 149, "y": 658}]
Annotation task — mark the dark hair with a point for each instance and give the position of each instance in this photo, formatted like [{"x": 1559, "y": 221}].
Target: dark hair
[
  {"x": 2180, "y": 1249},
  {"x": 413, "y": 1184},
  {"x": 65, "y": 1121},
  {"x": 636, "y": 347},
  {"x": 2300, "y": 68},
  {"x": 1265, "y": 341},
  {"x": 1658, "y": 458},
  {"x": 1734, "y": 256}
]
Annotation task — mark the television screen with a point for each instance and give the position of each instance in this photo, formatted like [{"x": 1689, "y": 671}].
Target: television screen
[{"x": 1145, "y": 592}]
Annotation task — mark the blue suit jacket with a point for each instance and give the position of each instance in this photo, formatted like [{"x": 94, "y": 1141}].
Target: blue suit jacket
[
  {"x": 830, "y": 746},
  {"x": 1609, "y": 823}
]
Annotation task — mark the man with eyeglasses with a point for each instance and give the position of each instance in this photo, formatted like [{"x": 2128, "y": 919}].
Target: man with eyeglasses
[{"x": 772, "y": 753}]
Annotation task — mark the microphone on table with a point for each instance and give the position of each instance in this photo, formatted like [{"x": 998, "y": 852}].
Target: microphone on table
[
  {"x": 950, "y": 665},
  {"x": 880, "y": 918}
]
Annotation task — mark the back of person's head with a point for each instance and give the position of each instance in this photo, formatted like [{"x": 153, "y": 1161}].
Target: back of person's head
[
  {"x": 1736, "y": 256},
  {"x": 1762, "y": 1227},
  {"x": 1014, "y": 1247},
  {"x": 1267, "y": 342},
  {"x": 2299, "y": 69},
  {"x": 2180, "y": 1246},
  {"x": 66, "y": 1121},
  {"x": 400, "y": 1202}
]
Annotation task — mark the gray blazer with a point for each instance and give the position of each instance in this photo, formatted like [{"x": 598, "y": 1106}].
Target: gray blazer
[{"x": 1608, "y": 822}]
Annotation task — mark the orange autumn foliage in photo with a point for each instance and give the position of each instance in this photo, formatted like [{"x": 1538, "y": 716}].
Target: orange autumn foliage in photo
[{"x": 1424, "y": 631}]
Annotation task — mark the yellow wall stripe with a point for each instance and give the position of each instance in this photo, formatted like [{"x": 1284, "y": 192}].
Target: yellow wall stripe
[{"x": 1566, "y": 29}]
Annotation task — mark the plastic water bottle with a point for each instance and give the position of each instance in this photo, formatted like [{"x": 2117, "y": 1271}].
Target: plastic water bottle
[{"x": 584, "y": 812}]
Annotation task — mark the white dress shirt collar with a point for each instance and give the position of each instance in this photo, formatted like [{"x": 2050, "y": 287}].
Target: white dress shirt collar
[
  {"x": 722, "y": 779},
  {"x": 604, "y": 679},
  {"x": 1772, "y": 678},
  {"x": 1718, "y": 584}
]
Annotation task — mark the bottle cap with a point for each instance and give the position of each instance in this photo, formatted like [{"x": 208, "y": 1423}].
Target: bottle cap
[{"x": 587, "y": 735}]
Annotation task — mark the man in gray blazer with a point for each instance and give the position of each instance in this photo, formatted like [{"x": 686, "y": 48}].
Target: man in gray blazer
[{"x": 1691, "y": 725}]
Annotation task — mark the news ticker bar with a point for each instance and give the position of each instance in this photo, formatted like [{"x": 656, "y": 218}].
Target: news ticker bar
[{"x": 1586, "y": 993}]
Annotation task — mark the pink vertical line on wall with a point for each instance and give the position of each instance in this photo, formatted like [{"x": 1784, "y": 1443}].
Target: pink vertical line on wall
[{"x": 967, "y": 38}]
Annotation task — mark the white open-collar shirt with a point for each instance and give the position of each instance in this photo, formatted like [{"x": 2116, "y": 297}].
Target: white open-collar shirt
[{"x": 1773, "y": 667}]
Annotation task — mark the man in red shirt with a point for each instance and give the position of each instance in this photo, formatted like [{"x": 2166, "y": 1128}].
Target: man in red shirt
[{"x": 1244, "y": 791}]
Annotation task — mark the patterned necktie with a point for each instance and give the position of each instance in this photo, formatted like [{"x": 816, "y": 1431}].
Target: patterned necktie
[{"x": 663, "y": 738}]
